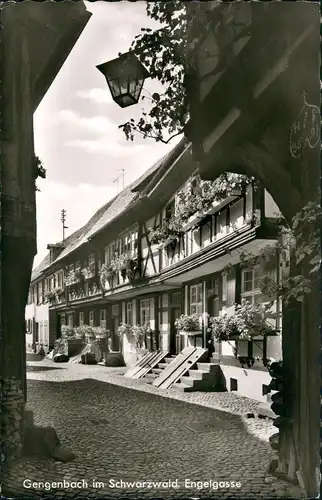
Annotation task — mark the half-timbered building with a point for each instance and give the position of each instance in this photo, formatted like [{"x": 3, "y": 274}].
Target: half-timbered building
[{"x": 167, "y": 275}]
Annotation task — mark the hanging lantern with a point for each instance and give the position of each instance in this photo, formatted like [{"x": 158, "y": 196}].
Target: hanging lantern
[{"x": 125, "y": 76}]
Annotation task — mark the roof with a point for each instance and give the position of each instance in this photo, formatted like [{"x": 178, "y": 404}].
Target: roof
[
  {"x": 171, "y": 161},
  {"x": 112, "y": 209},
  {"x": 37, "y": 272},
  {"x": 142, "y": 181}
]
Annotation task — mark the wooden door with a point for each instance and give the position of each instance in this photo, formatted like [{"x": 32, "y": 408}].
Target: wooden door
[{"x": 174, "y": 341}]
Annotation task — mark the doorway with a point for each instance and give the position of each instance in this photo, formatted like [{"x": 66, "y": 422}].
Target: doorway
[
  {"x": 214, "y": 306},
  {"x": 115, "y": 323},
  {"x": 175, "y": 311}
]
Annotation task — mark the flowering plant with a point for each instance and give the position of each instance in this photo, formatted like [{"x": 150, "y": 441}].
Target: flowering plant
[
  {"x": 247, "y": 321},
  {"x": 125, "y": 329},
  {"x": 188, "y": 323},
  {"x": 100, "y": 331},
  {"x": 139, "y": 332},
  {"x": 169, "y": 227},
  {"x": 89, "y": 271},
  {"x": 106, "y": 273},
  {"x": 67, "y": 331}
]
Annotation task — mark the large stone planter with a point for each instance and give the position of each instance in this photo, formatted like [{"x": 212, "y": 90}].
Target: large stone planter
[{"x": 114, "y": 359}]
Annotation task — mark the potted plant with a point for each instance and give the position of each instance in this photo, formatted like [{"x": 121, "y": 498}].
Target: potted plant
[
  {"x": 106, "y": 274},
  {"x": 67, "y": 331},
  {"x": 125, "y": 329},
  {"x": 169, "y": 230},
  {"x": 124, "y": 264},
  {"x": 80, "y": 331},
  {"x": 100, "y": 332},
  {"x": 188, "y": 324},
  {"x": 248, "y": 323},
  {"x": 89, "y": 271}
]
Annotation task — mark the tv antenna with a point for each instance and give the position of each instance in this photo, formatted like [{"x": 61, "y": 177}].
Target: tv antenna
[
  {"x": 120, "y": 177},
  {"x": 63, "y": 219}
]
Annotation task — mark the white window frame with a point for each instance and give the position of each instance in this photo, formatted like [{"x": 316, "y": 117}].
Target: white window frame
[
  {"x": 60, "y": 279},
  {"x": 103, "y": 318},
  {"x": 145, "y": 307},
  {"x": 255, "y": 292},
  {"x": 198, "y": 304},
  {"x": 129, "y": 311},
  {"x": 81, "y": 319},
  {"x": 91, "y": 318}
]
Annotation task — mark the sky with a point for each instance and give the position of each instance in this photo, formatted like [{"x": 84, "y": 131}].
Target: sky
[{"x": 76, "y": 126}]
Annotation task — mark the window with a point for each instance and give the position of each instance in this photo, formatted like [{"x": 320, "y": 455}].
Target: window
[
  {"x": 221, "y": 226},
  {"x": 63, "y": 319},
  {"x": 40, "y": 292},
  {"x": 91, "y": 318},
  {"x": 78, "y": 266},
  {"x": 51, "y": 283},
  {"x": 91, "y": 259},
  {"x": 196, "y": 303},
  {"x": 103, "y": 318},
  {"x": 81, "y": 319},
  {"x": 60, "y": 279},
  {"x": 176, "y": 298},
  {"x": 115, "y": 310},
  {"x": 251, "y": 285},
  {"x": 70, "y": 320},
  {"x": 144, "y": 311},
  {"x": 129, "y": 313}
]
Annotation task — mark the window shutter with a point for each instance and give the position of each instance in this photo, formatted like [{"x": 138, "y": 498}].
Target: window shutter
[{"x": 231, "y": 287}]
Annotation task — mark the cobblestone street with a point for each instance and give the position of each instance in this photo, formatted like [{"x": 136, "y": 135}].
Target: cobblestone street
[{"x": 121, "y": 429}]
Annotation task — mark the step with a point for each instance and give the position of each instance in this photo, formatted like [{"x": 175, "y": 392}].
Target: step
[
  {"x": 179, "y": 386},
  {"x": 149, "y": 377},
  {"x": 157, "y": 371},
  {"x": 168, "y": 359},
  {"x": 162, "y": 365},
  {"x": 207, "y": 367},
  {"x": 200, "y": 374},
  {"x": 215, "y": 359},
  {"x": 191, "y": 381}
]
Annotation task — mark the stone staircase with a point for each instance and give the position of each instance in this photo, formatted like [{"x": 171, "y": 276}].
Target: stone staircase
[
  {"x": 201, "y": 377},
  {"x": 155, "y": 372}
]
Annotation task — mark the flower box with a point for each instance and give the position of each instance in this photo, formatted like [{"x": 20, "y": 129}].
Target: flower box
[
  {"x": 194, "y": 333},
  {"x": 167, "y": 242},
  {"x": 250, "y": 348},
  {"x": 192, "y": 221}
]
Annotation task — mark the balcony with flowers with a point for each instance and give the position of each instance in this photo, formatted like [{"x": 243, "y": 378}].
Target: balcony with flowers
[
  {"x": 247, "y": 327},
  {"x": 197, "y": 201},
  {"x": 73, "y": 278},
  {"x": 89, "y": 271},
  {"x": 121, "y": 269}
]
